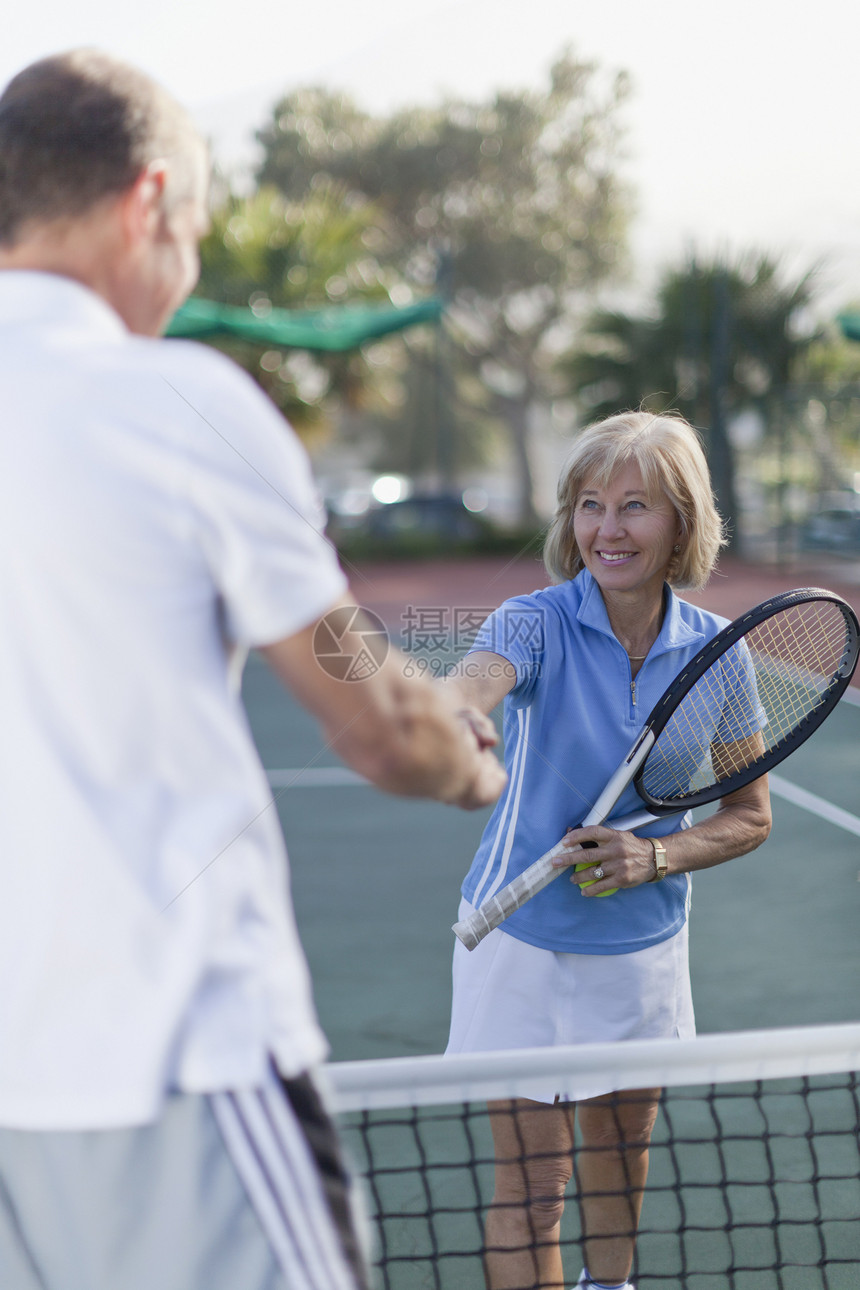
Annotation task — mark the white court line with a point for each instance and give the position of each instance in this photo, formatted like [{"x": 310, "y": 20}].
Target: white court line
[
  {"x": 816, "y": 805},
  {"x": 316, "y": 777},
  {"x": 811, "y": 801}
]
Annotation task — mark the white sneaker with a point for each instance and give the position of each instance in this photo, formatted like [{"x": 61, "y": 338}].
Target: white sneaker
[{"x": 585, "y": 1283}]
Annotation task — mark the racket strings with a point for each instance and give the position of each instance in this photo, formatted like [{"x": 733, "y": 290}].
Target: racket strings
[
  {"x": 796, "y": 662},
  {"x": 750, "y": 699}
]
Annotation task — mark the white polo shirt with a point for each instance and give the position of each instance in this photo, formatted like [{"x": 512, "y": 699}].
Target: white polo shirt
[{"x": 152, "y": 503}]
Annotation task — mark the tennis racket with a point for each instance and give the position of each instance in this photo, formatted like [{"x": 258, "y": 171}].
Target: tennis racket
[{"x": 755, "y": 693}]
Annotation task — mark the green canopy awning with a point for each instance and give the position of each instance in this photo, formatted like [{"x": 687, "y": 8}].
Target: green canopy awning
[
  {"x": 850, "y": 324},
  {"x": 337, "y": 328}
]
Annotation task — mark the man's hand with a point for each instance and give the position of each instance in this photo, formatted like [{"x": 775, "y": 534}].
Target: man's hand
[{"x": 405, "y": 734}]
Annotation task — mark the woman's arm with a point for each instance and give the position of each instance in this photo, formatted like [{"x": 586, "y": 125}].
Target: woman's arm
[
  {"x": 740, "y": 824},
  {"x": 481, "y": 680}
]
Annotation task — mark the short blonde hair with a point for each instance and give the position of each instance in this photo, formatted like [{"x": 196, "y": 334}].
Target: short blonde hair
[{"x": 669, "y": 453}]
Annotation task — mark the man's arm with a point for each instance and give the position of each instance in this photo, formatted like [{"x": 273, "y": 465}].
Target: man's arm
[{"x": 402, "y": 732}]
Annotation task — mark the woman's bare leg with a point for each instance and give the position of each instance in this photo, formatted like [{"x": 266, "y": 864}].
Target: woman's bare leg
[
  {"x": 534, "y": 1163},
  {"x": 612, "y": 1168}
]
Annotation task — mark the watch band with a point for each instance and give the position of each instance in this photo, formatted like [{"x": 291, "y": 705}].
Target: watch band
[{"x": 659, "y": 860}]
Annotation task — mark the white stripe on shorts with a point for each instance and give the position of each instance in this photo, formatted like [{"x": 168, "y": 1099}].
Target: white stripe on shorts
[{"x": 271, "y": 1155}]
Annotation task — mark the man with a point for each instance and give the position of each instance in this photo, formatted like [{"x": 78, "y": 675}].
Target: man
[{"x": 159, "y": 1123}]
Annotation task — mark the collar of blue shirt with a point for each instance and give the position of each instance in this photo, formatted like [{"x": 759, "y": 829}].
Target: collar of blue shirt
[{"x": 674, "y": 633}]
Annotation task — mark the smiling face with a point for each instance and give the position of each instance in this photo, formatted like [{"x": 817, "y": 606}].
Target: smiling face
[{"x": 625, "y": 534}]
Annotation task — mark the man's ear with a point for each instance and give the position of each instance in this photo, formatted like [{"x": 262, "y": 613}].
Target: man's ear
[{"x": 142, "y": 205}]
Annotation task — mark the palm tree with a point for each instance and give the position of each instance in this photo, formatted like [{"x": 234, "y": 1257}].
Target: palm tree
[{"x": 724, "y": 336}]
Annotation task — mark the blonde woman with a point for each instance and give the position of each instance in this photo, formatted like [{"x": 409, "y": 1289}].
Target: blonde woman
[{"x": 579, "y": 666}]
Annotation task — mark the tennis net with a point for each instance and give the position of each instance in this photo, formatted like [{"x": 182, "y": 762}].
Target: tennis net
[{"x": 754, "y": 1179}]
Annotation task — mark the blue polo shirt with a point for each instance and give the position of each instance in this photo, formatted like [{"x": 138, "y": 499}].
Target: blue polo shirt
[{"x": 569, "y": 721}]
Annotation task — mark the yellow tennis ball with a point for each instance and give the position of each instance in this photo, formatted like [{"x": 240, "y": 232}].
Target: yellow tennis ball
[{"x": 590, "y": 865}]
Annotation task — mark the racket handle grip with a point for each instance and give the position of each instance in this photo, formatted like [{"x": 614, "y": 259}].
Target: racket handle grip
[{"x": 472, "y": 930}]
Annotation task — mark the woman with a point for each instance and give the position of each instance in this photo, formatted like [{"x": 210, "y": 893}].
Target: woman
[{"x": 579, "y": 666}]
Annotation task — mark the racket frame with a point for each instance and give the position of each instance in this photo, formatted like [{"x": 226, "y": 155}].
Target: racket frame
[{"x": 663, "y": 710}]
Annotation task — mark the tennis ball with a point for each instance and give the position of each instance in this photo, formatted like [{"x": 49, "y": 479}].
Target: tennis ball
[{"x": 590, "y": 865}]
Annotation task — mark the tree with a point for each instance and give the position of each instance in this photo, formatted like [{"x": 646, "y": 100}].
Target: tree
[
  {"x": 511, "y": 205},
  {"x": 724, "y": 336},
  {"x": 263, "y": 251}
]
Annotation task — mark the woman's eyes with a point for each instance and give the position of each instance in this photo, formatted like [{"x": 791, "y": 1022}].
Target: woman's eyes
[{"x": 589, "y": 504}]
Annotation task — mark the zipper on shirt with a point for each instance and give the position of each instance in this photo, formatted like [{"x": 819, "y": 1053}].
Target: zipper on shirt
[
  {"x": 631, "y": 716},
  {"x": 633, "y": 704}
]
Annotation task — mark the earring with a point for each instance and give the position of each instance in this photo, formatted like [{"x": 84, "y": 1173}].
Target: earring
[{"x": 676, "y": 548}]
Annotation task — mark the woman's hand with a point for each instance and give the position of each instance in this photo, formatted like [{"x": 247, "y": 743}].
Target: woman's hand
[
  {"x": 623, "y": 859},
  {"x": 740, "y": 823}
]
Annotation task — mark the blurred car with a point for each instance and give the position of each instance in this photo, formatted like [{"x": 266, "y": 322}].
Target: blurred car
[
  {"x": 431, "y": 516},
  {"x": 420, "y": 523},
  {"x": 835, "y": 526}
]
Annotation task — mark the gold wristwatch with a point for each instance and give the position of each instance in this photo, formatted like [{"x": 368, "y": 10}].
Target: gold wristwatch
[{"x": 659, "y": 860}]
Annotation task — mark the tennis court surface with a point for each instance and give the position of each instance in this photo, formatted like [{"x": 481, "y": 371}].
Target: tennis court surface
[{"x": 753, "y": 1185}]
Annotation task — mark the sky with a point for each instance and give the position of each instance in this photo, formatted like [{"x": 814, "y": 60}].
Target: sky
[{"x": 741, "y": 125}]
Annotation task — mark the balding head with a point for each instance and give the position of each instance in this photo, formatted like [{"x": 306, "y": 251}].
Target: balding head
[
  {"x": 81, "y": 127},
  {"x": 102, "y": 180}
]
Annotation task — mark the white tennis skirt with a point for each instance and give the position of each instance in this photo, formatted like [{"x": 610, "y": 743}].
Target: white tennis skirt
[{"x": 508, "y": 994}]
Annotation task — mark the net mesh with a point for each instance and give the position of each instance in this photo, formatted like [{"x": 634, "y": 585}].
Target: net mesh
[
  {"x": 749, "y": 701},
  {"x": 754, "y": 1179}
]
